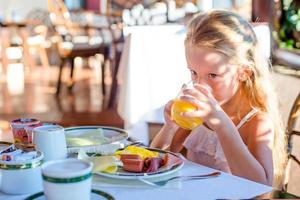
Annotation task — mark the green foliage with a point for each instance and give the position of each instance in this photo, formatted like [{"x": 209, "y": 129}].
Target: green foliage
[{"x": 289, "y": 34}]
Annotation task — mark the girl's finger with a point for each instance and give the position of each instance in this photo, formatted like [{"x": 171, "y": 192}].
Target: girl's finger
[
  {"x": 169, "y": 105},
  {"x": 202, "y": 106},
  {"x": 197, "y": 113},
  {"x": 195, "y": 93},
  {"x": 204, "y": 89},
  {"x": 193, "y": 100}
]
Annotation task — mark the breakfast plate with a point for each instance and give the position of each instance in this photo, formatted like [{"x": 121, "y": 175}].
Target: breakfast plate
[
  {"x": 162, "y": 171},
  {"x": 93, "y": 136},
  {"x": 95, "y": 195}
]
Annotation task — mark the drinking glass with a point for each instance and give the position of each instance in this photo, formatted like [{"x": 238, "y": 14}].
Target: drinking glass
[{"x": 179, "y": 106}]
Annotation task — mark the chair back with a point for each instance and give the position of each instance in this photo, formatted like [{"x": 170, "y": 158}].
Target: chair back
[
  {"x": 60, "y": 17},
  {"x": 294, "y": 116},
  {"x": 59, "y": 13},
  {"x": 292, "y": 134}
]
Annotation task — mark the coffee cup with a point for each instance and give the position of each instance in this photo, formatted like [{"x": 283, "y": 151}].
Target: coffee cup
[
  {"x": 51, "y": 140},
  {"x": 68, "y": 179}
]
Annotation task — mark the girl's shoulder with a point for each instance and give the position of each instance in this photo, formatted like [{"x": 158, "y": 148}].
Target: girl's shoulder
[{"x": 259, "y": 127}]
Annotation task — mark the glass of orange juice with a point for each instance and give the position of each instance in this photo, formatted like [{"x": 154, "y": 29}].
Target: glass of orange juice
[{"x": 179, "y": 106}]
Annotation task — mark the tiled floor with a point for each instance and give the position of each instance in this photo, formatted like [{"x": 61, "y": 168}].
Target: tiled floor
[{"x": 85, "y": 105}]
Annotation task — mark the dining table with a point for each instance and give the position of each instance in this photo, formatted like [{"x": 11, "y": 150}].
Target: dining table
[
  {"x": 128, "y": 185},
  {"x": 225, "y": 186}
]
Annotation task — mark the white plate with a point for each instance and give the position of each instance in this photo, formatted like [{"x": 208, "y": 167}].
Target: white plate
[
  {"x": 162, "y": 171},
  {"x": 111, "y": 133},
  {"x": 95, "y": 195}
]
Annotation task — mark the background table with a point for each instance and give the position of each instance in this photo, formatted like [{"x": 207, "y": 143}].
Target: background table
[{"x": 152, "y": 71}]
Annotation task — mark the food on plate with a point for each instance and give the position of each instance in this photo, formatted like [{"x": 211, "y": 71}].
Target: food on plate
[
  {"x": 132, "y": 159},
  {"x": 138, "y": 159},
  {"x": 132, "y": 162},
  {"x": 152, "y": 164},
  {"x": 91, "y": 137},
  {"x": 129, "y": 156},
  {"x": 142, "y": 152},
  {"x": 107, "y": 164},
  {"x": 171, "y": 160}
]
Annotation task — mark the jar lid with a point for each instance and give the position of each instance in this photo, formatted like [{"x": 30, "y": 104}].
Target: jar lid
[{"x": 22, "y": 122}]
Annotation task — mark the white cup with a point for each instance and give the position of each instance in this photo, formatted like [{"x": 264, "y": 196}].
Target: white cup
[
  {"x": 22, "y": 177},
  {"x": 51, "y": 140},
  {"x": 68, "y": 179}
]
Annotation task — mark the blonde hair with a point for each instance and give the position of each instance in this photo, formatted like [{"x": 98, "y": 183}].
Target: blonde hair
[{"x": 234, "y": 37}]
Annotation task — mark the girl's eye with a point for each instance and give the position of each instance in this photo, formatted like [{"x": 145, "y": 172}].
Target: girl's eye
[
  {"x": 193, "y": 73},
  {"x": 211, "y": 75}
]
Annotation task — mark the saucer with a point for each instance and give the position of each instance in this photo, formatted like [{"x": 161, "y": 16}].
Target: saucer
[{"x": 95, "y": 195}]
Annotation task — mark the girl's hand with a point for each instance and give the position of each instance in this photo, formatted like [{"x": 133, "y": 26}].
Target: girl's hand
[
  {"x": 167, "y": 115},
  {"x": 208, "y": 108}
]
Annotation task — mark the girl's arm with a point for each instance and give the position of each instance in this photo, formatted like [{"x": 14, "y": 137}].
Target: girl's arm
[
  {"x": 250, "y": 158},
  {"x": 253, "y": 161},
  {"x": 170, "y": 138},
  {"x": 178, "y": 139},
  {"x": 164, "y": 137}
]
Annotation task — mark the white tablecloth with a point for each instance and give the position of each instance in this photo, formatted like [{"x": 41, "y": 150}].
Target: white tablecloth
[
  {"x": 152, "y": 71},
  {"x": 225, "y": 186}
]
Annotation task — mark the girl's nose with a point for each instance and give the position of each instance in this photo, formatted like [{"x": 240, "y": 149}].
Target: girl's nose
[{"x": 200, "y": 81}]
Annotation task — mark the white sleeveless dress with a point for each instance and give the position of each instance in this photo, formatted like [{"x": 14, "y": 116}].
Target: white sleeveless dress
[{"x": 203, "y": 146}]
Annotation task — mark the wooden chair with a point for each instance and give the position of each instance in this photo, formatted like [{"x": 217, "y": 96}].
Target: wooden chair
[
  {"x": 17, "y": 30},
  {"x": 38, "y": 35},
  {"x": 294, "y": 117},
  {"x": 97, "y": 39}
]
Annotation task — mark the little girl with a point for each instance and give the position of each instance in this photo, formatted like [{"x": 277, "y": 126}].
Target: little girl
[{"x": 242, "y": 133}]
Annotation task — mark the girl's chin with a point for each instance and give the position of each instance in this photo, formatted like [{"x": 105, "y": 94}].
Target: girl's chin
[{"x": 222, "y": 102}]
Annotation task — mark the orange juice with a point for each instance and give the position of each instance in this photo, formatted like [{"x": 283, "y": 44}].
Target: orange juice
[{"x": 180, "y": 106}]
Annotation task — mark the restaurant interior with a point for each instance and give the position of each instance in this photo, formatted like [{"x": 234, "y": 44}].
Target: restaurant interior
[{"x": 105, "y": 63}]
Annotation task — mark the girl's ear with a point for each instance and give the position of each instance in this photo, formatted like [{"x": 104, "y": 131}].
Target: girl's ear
[{"x": 244, "y": 73}]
